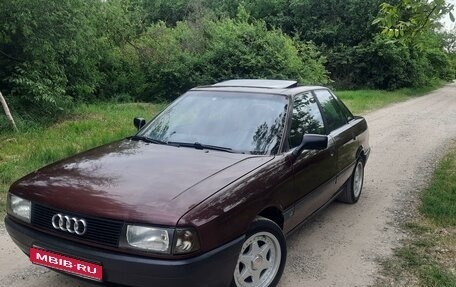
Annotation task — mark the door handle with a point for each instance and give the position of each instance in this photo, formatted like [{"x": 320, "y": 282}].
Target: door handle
[
  {"x": 331, "y": 146},
  {"x": 332, "y": 151}
]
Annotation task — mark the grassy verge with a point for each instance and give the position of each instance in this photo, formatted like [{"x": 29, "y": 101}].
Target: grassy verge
[
  {"x": 428, "y": 257},
  {"x": 362, "y": 101},
  {"x": 88, "y": 126}
]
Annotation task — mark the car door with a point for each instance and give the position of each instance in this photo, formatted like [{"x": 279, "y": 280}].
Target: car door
[
  {"x": 313, "y": 170},
  {"x": 339, "y": 128}
]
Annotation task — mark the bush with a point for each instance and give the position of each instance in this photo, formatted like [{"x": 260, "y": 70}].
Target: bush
[
  {"x": 57, "y": 52},
  {"x": 52, "y": 53},
  {"x": 385, "y": 65},
  {"x": 238, "y": 49},
  {"x": 190, "y": 54},
  {"x": 452, "y": 59},
  {"x": 123, "y": 76}
]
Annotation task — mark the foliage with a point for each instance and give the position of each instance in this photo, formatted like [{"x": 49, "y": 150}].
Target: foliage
[
  {"x": 189, "y": 54},
  {"x": 385, "y": 65},
  {"x": 332, "y": 23},
  {"x": 449, "y": 46},
  {"x": 46, "y": 56},
  {"x": 323, "y": 22},
  {"x": 407, "y": 19},
  {"x": 59, "y": 52},
  {"x": 449, "y": 41},
  {"x": 54, "y": 53},
  {"x": 452, "y": 58},
  {"x": 357, "y": 57},
  {"x": 251, "y": 50}
]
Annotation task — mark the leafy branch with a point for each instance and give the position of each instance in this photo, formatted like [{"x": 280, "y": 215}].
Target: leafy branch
[{"x": 408, "y": 19}]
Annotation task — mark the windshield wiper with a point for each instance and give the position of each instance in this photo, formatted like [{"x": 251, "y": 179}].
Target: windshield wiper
[
  {"x": 148, "y": 140},
  {"x": 198, "y": 145}
]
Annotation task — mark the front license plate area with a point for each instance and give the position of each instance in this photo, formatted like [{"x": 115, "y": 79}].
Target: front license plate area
[{"x": 66, "y": 264}]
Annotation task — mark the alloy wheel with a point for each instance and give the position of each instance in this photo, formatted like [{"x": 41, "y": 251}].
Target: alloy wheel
[
  {"x": 358, "y": 178},
  {"x": 259, "y": 261}
]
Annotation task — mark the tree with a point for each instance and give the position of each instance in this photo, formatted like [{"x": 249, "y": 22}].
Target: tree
[
  {"x": 407, "y": 20},
  {"x": 449, "y": 41},
  {"x": 7, "y": 111},
  {"x": 176, "y": 58},
  {"x": 50, "y": 52}
]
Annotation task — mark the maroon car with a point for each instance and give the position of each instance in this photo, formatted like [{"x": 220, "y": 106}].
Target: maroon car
[{"x": 202, "y": 195}]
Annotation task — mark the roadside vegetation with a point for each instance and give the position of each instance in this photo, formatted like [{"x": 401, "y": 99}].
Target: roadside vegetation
[
  {"x": 57, "y": 54},
  {"x": 428, "y": 257},
  {"x": 88, "y": 126},
  {"x": 75, "y": 73}
]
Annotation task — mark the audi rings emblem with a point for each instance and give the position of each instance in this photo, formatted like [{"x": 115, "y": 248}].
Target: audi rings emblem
[{"x": 69, "y": 224}]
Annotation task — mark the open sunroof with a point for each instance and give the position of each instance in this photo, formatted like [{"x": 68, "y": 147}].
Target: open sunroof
[{"x": 271, "y": 84}]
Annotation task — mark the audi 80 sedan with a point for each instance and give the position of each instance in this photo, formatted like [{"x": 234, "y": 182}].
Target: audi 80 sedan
[{"x": 202, "y": 195}]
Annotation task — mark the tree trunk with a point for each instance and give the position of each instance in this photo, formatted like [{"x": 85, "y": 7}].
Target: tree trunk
[{"x": 7, "y": 112}]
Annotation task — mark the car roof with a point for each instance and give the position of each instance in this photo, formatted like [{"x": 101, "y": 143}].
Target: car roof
[{"x": 260, "y": 86}]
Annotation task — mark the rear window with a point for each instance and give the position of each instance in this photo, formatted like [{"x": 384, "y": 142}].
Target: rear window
[{"x": 331, "y": 110}]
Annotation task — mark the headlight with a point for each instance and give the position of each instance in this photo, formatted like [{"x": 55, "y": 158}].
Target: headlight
[
  {"x": 159, "y": 240},
  {"x": 149, "y": 238},
  {"x": 19, "y": 207}
]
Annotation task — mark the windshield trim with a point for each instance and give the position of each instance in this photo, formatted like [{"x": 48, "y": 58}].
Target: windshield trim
[{"x": 286, "y": 126}]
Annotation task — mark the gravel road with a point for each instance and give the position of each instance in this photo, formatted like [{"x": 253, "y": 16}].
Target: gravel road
[{"x": 342, "y": 245}]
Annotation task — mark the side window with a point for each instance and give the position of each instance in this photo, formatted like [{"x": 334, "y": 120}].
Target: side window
[
  {"x": 306, "y": 119},
  {"x": 344, "y": 108},
  {"x": 331, "y": 110}
]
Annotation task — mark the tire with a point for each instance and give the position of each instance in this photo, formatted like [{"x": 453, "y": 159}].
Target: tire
[
  {"x": 354, "y": 185},
  {"x": 262, "y": 257}
]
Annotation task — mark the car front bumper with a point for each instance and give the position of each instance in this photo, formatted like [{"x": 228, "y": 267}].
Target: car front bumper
[{"x": 214, "y": 268}]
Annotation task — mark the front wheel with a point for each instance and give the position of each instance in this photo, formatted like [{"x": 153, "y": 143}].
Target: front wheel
[
  {"x": 354, "y": 186},
  {"x": 262, "y": 257}
]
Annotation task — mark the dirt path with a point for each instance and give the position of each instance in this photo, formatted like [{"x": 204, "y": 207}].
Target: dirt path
[{"x": 342, "y": 245}]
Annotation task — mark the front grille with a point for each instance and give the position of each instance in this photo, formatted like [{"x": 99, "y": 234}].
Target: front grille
[{"x": 99, "y": 230}]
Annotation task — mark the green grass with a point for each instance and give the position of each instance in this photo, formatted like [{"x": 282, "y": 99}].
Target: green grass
[
  {"x": 439, "y": 200},
  {"x": 430, "y": 254},
  {"x": 362, "y": 101},
  {"x": 436, "y": 276},
  {"x": 88, "y": 126}
]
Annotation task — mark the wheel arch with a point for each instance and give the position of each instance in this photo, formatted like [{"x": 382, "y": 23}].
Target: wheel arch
[
  {"x": 273, "y": 213},
  {"x": 360, "y": 153}
]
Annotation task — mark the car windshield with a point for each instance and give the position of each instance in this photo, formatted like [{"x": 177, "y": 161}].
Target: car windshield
[{"x": 238, "y": 122}]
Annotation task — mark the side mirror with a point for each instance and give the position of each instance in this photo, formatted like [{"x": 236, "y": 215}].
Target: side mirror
[
  {"x": 311, "y": 141},
  {"x": 139, "y": 123}
]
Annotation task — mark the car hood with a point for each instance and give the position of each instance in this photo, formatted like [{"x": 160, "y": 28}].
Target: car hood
[{"x": 135, "y": 181}]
